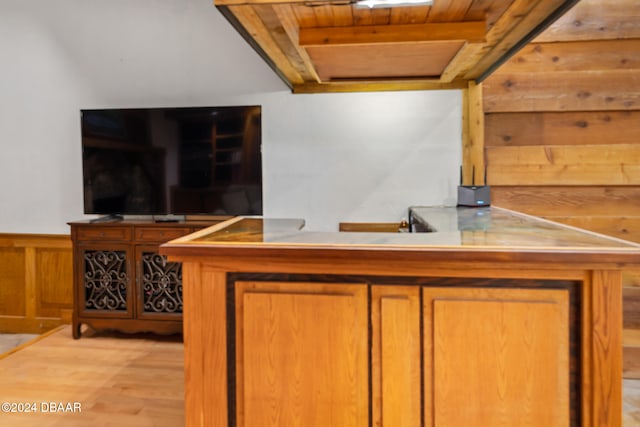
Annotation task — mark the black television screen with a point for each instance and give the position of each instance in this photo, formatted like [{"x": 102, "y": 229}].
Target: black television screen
[{"x": 160, "y": 161}]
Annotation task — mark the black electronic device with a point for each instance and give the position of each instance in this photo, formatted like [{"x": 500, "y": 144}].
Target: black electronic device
[
  {"x": 172, "y": 161},
  {"x": 474, "y": 195}
]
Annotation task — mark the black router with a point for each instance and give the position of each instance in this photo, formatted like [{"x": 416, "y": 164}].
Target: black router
[{"x": 474, "y": 195}]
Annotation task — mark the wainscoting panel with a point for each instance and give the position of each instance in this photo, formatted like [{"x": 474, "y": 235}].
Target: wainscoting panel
[{"x": 36, "y": 282}]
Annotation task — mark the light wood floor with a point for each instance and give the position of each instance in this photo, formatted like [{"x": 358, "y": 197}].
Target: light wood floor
[
  {"x": 118, "y": 380},
  {"x": 137, "y": 381},
  {"x": 632, "y": 354}
]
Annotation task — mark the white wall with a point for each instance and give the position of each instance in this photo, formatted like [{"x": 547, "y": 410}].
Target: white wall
[
  {"x": 326, "y": 158},
  {"x": 360, "y": 157}
]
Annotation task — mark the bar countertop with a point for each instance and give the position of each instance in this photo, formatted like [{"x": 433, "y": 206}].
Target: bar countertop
[{"x": 454, "y": 229}]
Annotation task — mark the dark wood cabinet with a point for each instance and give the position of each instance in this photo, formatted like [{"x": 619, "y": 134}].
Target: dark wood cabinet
[
  {"x": 121, "y": 282},
  {"x": 159, "y": 290}
]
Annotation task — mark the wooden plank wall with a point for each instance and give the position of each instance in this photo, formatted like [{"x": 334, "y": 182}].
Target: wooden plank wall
[
  {"x": 36, "y": 282},
  {"x": 562, "y": 126}
]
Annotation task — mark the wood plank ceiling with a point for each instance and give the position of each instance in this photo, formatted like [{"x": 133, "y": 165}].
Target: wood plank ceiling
[{"x": 337, "y": 46}]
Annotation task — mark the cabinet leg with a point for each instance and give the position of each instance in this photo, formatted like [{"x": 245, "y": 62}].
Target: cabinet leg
[{"x": 75, "y": 329}]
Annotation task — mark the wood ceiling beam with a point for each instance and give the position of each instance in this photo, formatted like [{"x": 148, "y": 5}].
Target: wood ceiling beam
[
  {"x": 472, "y": 32},
  {"x": 287, "y": 16},
  {"x": 262, "y": 40},
  {"x": 254, "y": 2},
  {"x": 283, "y": 29},
  {"x": 464, "y": 60},
  {"x": 347, "y": 85}
]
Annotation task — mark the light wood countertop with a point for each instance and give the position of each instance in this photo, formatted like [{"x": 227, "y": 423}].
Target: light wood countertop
[{"x": 487, "y": 233}]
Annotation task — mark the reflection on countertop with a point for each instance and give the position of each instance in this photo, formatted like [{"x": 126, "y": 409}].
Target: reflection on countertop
[{"x": 469, "y": 228}]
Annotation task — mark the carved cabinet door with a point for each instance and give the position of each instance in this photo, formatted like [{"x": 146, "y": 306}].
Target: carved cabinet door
[
  {"x": 159, "y": 285},
  {"x": 106, "y": 280}
]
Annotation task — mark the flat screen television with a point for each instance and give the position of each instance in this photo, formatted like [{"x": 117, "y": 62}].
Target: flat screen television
[{"x": 172, "y": 161}]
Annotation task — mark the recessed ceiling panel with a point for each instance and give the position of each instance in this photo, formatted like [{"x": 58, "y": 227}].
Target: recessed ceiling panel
[
  {"x": 332, "y": 45},
  {"x": 364, "y": 62}
]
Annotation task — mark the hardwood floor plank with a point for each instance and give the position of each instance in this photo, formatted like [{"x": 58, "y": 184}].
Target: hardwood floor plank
[
  {"x": 631, "y": 368},
  {"x": 138, "y": 380},
  {"x": 117, "y": 380}
]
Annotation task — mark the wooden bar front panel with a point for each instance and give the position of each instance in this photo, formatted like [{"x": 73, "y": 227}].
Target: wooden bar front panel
[
  {"x": 395, "y": 356},
  {"x": 301, "y": 353},
  {"x": 496, "y": 357},
  {"x": 373, "y": 335}
]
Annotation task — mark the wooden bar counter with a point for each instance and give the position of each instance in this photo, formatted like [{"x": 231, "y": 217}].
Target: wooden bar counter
[{"x": 491, "y": 319}]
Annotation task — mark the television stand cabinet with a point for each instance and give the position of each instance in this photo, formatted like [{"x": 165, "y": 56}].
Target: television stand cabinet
[{"x": 121, "y": 282}]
